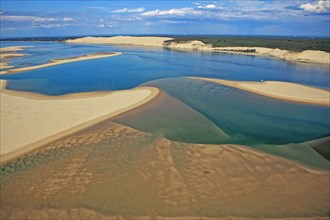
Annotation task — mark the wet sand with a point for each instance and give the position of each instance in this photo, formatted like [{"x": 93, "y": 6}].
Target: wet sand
[
  {"x": 62, "y": 61},
  {"x": 280, "y": 90},
  {"x": 110, "y": 171},
  {"x": 39, "y": 119}
]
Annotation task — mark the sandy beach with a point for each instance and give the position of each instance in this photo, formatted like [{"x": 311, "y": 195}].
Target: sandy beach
[
  {"x": 39, "y": 119},
  {"x": 123, "y": 40},
  {"x": 280, "y": 90},
  {"x": 63, "y": 61}
]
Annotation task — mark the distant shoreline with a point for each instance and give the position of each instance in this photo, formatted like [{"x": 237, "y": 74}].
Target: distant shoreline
[{"x": 302, "y": 56}]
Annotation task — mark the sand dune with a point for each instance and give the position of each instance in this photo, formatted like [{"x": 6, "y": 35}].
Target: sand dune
[
  {"x": 123, "y": 40},
  {"x": 63, "y": 61},
  {"x": 122, "y": 173},
  {"x": 308, "y": 56},
  {"x": 281, "y": 90},
  {"x": 29, "y": 120},
  {"x": 188, "y": 45}
]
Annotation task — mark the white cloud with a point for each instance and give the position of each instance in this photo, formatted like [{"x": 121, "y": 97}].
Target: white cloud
[
  {"x": 172, "y": 12},
  {"x": 68, "y": 19},
  {"x": 129, "y": 10},
  {"x": 25, "y": 18},
  {"x": 316, "y": 7},
  {"x": 211, "y": 6}
]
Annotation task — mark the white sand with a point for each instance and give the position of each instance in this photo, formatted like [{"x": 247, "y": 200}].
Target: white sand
[
  {"x": 12, "y": 49},
  {"x": 307, "y": 56},
  {"x": 30, "y": 120},
  {"x": 123, "y": 40},
  {"x": 281, "y": 90},
  {"x": 62, "y": 61}
]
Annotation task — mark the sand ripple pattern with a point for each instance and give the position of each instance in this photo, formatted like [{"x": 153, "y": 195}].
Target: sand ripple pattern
[{"x": 112, "y": 171}]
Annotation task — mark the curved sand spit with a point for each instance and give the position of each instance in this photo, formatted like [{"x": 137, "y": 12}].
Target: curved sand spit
[
  {"x": 30, "y": 120},
  {"x": 63, "y": 61},
  {"x": 280, "y": 90}
]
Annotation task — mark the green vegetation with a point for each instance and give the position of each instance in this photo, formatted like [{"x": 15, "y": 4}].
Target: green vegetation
[{"x": 285, "y": 43}]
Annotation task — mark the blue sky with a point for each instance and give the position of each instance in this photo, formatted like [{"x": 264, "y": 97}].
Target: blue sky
[{"x": 221, "y": 17}]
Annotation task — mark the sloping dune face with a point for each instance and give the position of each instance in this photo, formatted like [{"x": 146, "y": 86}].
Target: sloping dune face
[
  {"x": 123, "y": 40},
  {"x": 113, "y": 170}
]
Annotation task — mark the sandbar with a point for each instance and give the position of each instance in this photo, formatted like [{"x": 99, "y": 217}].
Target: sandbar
[
  {"x": 9, "y": 52},
  {"x": 30, "y": 120},
  {"x": 5, "y": 65},
  {"x": 123, "y": 40},
  {"x": 280, "y": 90},
  {"x": 63, "y": 61},
  {"x": 12, "y": 49}
]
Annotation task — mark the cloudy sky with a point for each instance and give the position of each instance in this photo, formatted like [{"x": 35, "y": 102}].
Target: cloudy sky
[{"x": 221, "y": 17}]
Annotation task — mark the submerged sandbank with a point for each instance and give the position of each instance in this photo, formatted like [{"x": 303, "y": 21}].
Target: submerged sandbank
[
  {"x": 63, "y": 61},
  {"x": 280, "y": 90},
  {"x": 30, "y": 120},
  {"x": 123, "y": 40}
]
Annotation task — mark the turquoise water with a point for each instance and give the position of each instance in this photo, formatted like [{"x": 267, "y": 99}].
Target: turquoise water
[
  {"x": 246, "y": 117},
  {"x": 190, "y": 110}
]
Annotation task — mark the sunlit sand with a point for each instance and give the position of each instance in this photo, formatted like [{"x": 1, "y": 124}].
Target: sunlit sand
[
  {"x": 63, "y": 61},
  {"x": 281, "y": 90},
  {"x": 30, "y": 120}
]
